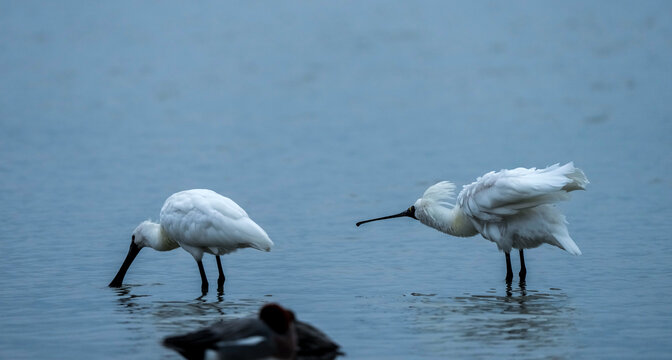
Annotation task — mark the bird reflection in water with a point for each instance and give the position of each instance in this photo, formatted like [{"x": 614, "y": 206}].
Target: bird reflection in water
[
  {"x": 523, "y": 318},
  {"x": 521, "y": 290},
  {"x": 144, "y": 313}
]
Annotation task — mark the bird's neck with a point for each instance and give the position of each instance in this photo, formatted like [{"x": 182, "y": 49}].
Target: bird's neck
[
  {"x": 450, "y": 221},
  {"x": 157, "y": 238}
]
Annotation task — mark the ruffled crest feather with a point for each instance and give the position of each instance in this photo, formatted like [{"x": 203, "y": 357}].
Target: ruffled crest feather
[{"x": 442, "y": 193}]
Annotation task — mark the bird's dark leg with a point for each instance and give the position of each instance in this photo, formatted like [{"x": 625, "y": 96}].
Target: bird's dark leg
[
  {"x": 222, "y": 278},
  {"x": 509, "y": 272},
  {"x": 204, "y": 280},
  {"x": 523, "y": 271}
]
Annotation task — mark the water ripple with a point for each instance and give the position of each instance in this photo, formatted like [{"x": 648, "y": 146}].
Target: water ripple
[{"x": 515, "y": 321}]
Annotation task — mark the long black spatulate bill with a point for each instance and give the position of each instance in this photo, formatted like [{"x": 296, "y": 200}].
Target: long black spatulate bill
[
  {"x": 132, "y": 253},
  {"x": 410, "y": 213}
]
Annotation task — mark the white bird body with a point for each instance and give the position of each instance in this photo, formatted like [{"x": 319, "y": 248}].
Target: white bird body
[
  {"x": 512, "y": 208},
  {"x": 199, "y": 221}
]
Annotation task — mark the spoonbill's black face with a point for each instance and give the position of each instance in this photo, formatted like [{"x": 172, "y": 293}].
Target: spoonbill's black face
[
  {"x": 410, "y": 212},
  {"x": 132, "y": 253}
]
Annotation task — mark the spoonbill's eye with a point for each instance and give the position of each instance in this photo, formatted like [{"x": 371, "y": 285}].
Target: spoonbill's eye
[
  {"x": 411, "y": 209},
  {"x": 133, "y": 238}
]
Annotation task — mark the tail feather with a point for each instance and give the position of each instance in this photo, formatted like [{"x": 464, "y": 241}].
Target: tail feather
[
  {"x": 255, "y": 237},
  {"x": 313, "y": 343},
  {"x": 568, "y": 244}
]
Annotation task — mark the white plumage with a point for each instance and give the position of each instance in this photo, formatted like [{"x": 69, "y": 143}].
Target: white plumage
[
  {"x": 512, "y": 208},
  {"x": 200, "y": 221}
]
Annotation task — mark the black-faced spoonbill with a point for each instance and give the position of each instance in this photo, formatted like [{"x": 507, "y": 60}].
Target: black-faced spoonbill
[
  {"x": 199, "y": 221},
  {"x": 276, "y": 333},
  {"x": 512, "y": 208}
]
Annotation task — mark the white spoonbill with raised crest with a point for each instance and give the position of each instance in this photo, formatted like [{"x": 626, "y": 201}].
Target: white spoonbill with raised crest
[
  {"x": 512, "y": 208},
  {"x": 199, "y": 221}
]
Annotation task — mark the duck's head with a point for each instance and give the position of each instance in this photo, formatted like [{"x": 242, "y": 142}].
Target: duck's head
[{"x": 279, "y": 319}]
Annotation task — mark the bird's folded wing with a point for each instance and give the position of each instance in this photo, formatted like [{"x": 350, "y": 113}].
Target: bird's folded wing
[{"x": 207, "y": 218}]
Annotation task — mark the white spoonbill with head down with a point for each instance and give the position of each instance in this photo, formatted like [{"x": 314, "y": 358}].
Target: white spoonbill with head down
[
  {"x": 200, "y": 221},
  {"x": 512, "y": 208}
]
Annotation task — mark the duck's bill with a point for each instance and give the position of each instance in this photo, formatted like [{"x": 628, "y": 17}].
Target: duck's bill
[
  {"x": 408, "y": 213},
  {"x": 132, "y": 253}
]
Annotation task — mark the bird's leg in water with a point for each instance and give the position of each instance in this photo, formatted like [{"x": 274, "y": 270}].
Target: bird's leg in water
[
  {"x": 204, "y": 280},
  {"x": 509, "y": 272},
  {"x": 523, "y": 271},
  {"x": 222, "y": 278}
]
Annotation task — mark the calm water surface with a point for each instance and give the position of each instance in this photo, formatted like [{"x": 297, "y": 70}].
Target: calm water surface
[{"x": 313, "y": 116}]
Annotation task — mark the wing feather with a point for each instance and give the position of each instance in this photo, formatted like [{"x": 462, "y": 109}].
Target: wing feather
[{"x": 507, "y": 192}]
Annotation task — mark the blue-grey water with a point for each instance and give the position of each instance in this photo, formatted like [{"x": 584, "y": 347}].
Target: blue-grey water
[{"x": 312, "y": 116}]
